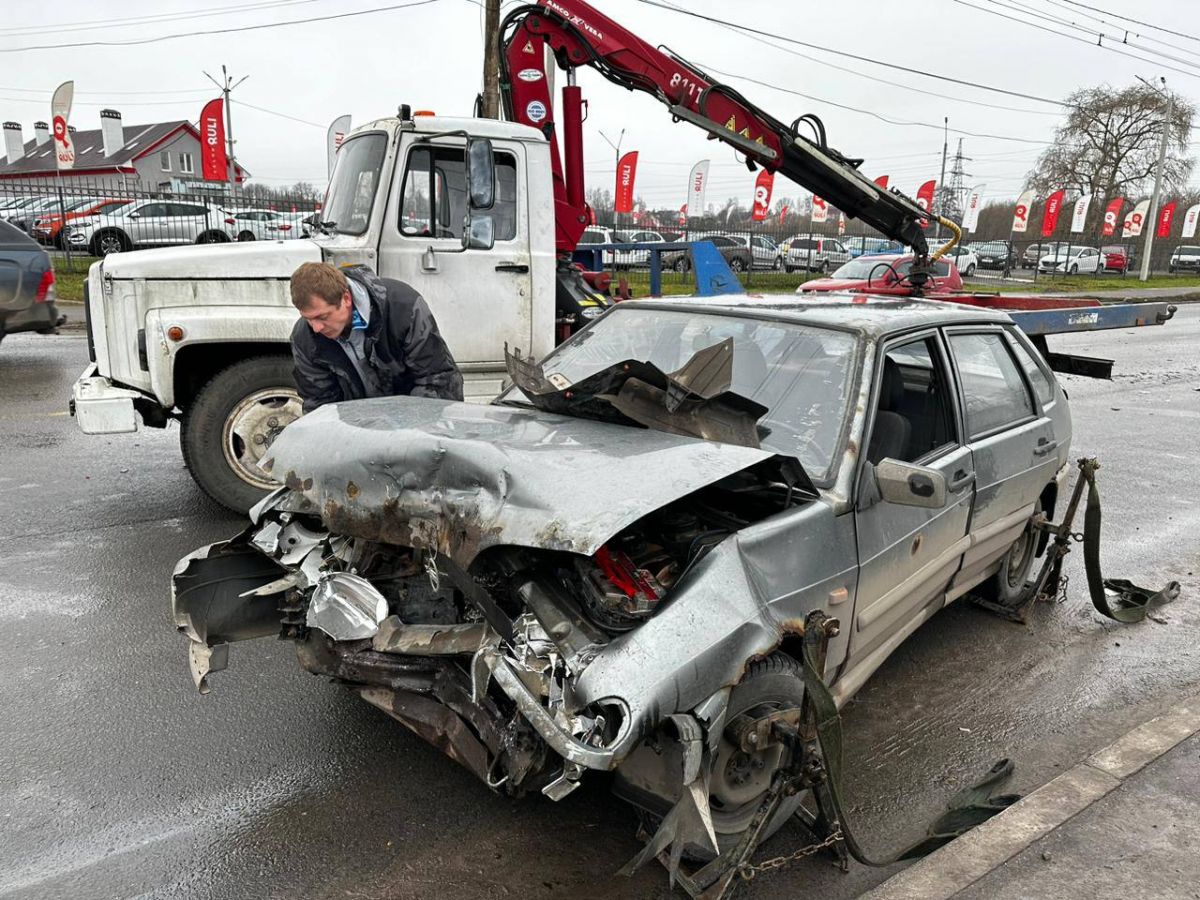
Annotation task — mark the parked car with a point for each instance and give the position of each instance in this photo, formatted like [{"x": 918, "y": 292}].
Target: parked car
[
  {"x": 884, "y": 275},
  {"x": 537, "y": 627},
  {"x": 624, "y": 258},
  {"x": 1117, "y": 258},
  {"x": 1072, "y": 260},
  {"x": 1034, "y": 252},
  {"x": 48, "y": 228},
  {"x": 25, "y": 217},
  {"x": 595, "y": 234},
  {"x": 289, "y": 226},
  {"x": 149, "y": 223},
  {"x": 27, "y": 294},
  {"x": 815, "y": 253},
  {"x": 13, "y": 205},
  {"x": 1184, "y": 259},
  {"x": 874, "y": 247},
  {"x": 736, "y": 255},
  {"x": 763, "y": 250},
  {"x": 251, "y": 224},
  {"x": 994, "y": 254},
  {"x": 965, "y": 260}
]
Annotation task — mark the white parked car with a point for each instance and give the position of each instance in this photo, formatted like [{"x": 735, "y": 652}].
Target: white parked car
[
  {"x": 966, "y": 260},
  {"x": 1068, "y": 260},
  {"x": 252, "y": 224},
  {"x": 595, "y": 234},
  {"x": 150, "y": 223},
  {"x": 635, "y": 236},
  {"x": 764, "y": 251},
  {"x": 289, "y": 226}
]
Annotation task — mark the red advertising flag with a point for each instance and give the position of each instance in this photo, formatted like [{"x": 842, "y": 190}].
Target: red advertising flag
[
  {"x": 925, "y": 199},
  {"x": 1050, "y": 216},
  {"x": 214, "y": 162},
  {"x": 1112, "y": 216},
  {"x": 762, "y": 194},
  {"x": 882, "y": 181},
  {"x": 1166, "y": 216},
  {"x": 783, "y": 215},
  {"x": 626, "y": 173},
  {"x": 683, "y": 214}
]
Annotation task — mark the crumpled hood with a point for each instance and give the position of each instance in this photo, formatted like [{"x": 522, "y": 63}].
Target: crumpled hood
[
  {"x": 254, "y": 259},
  {"x": 460, "y": 477}
]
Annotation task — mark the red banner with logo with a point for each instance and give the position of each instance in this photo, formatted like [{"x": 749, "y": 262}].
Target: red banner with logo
[
  {"x": 925, "y": 199},
  {"x": 1166, "y": 216},
  {"x": 626, "y": 173},
  {"x": 783, "y": 215},
  {"x": 1112, "y": 216},
  {"x": 882, "y": 181},
  {"x": 1050, "y": 216},
  {"x": 214, "y": 164},
  {"x": 762, "y": 194},
  {"x": 683, "y": 214}
]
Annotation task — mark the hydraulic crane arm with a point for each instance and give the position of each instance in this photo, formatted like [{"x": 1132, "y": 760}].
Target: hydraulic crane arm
[{"x": 579, "y": 35}]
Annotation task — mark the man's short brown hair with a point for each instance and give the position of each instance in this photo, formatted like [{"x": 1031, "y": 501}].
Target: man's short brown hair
[{"x": 317, "y": 279}]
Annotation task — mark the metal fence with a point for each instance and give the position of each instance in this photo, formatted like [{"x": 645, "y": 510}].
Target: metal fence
[{"x": 79, "y": 219}]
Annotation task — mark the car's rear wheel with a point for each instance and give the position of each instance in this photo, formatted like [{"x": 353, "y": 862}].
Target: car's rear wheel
[
  {"x": 246, "y": 236},
  {"x": 110, "y": 241},
  {"x": 737, "y": 265},
  {"x": 1074, "y": 270},
  {"x": 232, "y": 423},
  {"x": 213, "y": 237},
  {"x": 970, "y": 270},
  {"x": 777, "y": 264},
  {"x": 822, "y": 267},
  {"x": 681, "y": 265}
]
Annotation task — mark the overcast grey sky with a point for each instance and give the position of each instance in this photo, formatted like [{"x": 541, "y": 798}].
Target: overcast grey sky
[{"x": 431, "y": 57}]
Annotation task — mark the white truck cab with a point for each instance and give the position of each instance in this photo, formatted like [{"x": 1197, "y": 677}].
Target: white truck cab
[{"x": 201, "y": 333}]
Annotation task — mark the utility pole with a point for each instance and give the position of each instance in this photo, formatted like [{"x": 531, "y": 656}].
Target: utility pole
[
  {"x": 491, "y": 63},
  {"x": 1151, "y": 222},
  {"x": 942, "y": 178},
  {"x": 616, "y": 166},
  {"x": 227, "y": 84}
]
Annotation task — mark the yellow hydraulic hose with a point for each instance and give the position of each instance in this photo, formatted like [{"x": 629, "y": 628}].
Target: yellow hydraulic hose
[{"x": 955, "y": 237}]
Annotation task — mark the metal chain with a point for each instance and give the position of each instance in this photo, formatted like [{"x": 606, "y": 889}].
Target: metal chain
[{"x": 749, "y": 870}]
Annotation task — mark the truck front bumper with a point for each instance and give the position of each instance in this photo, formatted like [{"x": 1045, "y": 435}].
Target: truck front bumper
[{"x": 101, "y": 408}]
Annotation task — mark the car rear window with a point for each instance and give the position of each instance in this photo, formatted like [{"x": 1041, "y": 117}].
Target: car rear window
[
  {"x": 994, "y": 392},
  {"x": 1036, "y": 374}
]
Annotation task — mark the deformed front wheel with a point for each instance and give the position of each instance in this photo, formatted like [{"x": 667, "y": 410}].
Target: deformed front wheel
[{"x": 234, "y": 419}]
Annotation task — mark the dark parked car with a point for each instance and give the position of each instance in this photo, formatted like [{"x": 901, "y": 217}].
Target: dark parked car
[
  {"x": 1184, "y": 259},
  {"x": 994, "y": 255},
  {"x": 26, "y": 284},
  {"x": 737, "y": 255},
  {"x": 1034, "y": 252}
]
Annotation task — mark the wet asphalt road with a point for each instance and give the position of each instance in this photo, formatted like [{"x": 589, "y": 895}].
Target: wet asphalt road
[{"x": 120, "y": 781}]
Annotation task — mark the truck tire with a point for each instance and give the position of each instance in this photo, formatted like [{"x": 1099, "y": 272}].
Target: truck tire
[{"x": 232, "y": 422}]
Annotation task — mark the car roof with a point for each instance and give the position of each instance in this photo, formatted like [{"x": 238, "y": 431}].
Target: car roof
[{"x": 870, "y": 316}]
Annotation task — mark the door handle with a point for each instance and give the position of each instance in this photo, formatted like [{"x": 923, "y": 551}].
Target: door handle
[
  {"x": 519, "y": 268},
  {"x": 960, "y": 480},
  {"x": 1044, "y": 446}
]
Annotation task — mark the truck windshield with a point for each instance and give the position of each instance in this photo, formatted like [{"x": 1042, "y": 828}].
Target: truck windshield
[
  {"x": 800, "y": 373},
  {"x": 355, "y": 183}
]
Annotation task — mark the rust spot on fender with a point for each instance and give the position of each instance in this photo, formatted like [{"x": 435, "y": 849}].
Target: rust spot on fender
[{"x": 352, "y": 490}]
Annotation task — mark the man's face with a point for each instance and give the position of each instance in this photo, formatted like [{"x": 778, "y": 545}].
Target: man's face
[{"x": 331, "y": 320}]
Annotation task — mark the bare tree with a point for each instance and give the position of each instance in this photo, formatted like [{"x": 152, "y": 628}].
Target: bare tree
[{"x": 1108, "y": 144}]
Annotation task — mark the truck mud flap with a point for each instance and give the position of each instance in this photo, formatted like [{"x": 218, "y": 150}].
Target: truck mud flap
[{"x": 214, "y": 602}]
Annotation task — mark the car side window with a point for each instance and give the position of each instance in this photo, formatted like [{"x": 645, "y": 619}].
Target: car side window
[
  {"x": 153, "y": 210},
  {"x": 914, "y": 417},
  {"x": 1036, "y": 374},
  {"x": 994, "y": 392}
]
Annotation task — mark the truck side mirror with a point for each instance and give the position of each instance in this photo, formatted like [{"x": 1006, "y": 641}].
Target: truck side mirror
[
  {"x": 481, "y": 174},
  {"x": 908, "y": 485},
  {"x": 479, "y": 233}
]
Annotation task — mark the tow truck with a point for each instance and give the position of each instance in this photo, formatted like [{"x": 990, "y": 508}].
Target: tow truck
[{"x": 481, "y": 216}]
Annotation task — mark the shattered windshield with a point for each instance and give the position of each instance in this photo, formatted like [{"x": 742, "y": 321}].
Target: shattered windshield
[{"x": 799, "y": 373}]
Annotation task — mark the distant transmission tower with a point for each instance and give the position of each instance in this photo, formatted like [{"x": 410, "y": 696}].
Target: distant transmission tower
[{"x": 954, "y": 191}]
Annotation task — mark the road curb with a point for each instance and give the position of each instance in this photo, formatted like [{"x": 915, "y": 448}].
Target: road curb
[{"x": 986, "y": 847}]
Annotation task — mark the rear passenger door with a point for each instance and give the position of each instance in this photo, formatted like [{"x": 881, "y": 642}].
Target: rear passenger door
[
  {"x": 1012, "y": 444},
  {"x": 908, "y": 555}
]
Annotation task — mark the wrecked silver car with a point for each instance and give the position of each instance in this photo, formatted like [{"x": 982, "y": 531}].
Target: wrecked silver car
[{"x": 610, "y": 567}]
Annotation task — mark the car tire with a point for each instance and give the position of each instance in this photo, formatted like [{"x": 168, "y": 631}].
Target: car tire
[
  {"x": 681, "y": 265},
  {"x": 110, "y": 241},
  {"x": 970, "y": 270},
  {"x": 789, "y": 269},
  {"x": 245, "y": 236},
  {"x": 822, "y": 267},
  {"x": 212, "y": 237},
  {"x": 255, "y": 398},
  {"x": 1074, "y": 270},
  {"x": 777, "y": 264},
  {"x": 1010, "y": 586},
  {"x": 1170, "y": 270},
  {"x": 775, "y": 682},
  {"x": 737, "y": 265}
]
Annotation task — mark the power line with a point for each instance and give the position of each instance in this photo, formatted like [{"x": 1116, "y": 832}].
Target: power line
[
  {"x": 47, "y": 93},
  {"x": 272, "y": 112},
  {"x": 866, "y": 59},
  {"x": 154, "y": 19},
  {"x": 1190, "y": 37},
  {"x": 168, "y": 37},
  {"x": 1062, "y": 4}
]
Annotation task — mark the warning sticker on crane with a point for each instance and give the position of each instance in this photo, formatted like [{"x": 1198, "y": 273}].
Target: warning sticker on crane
[
  {"x": 530, "y": 74},
  {"x": 536, "y": 110},
  {"x": 528, "y": 48}
]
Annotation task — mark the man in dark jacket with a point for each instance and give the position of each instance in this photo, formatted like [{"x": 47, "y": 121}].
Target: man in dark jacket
[{"x": 360, "y": 335}]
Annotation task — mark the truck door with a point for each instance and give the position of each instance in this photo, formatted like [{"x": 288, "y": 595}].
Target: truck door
[
  {"x": 482, "y": 299},
  {"x": 908, "y": 554}
]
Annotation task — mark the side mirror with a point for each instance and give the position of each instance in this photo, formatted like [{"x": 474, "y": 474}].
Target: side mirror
[
  {"x": 481, "y": 173},
  {"x": 134, "y": 215},
  {"x": 908, "y": 485},
  {"x": 479, "y": 233}
]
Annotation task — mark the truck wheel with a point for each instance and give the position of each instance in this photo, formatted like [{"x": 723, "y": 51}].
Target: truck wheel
[{"x": 231, "y": 424}]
